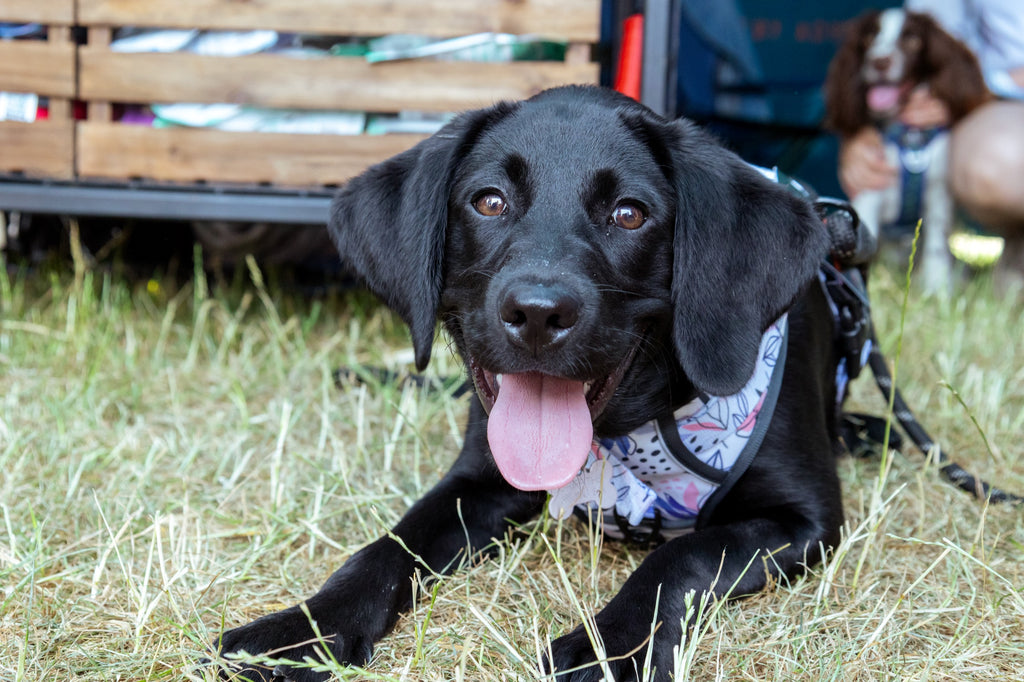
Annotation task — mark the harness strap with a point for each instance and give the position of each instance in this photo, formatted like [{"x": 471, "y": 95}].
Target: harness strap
[
  {"x": 845, "y": 288},
  {"x": 753, "y": 445}
]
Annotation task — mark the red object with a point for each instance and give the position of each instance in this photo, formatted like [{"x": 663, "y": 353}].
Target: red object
[{"x": 627, "y": 71}]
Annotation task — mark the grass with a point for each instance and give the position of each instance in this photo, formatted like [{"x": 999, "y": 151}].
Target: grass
[{"x": 176, "y": 458}]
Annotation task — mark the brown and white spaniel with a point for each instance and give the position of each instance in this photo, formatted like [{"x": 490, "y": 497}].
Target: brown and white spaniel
[{"x": 885, "y": 57}]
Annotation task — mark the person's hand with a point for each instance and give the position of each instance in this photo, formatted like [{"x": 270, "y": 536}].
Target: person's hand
[
  {"x": 924, "y": 110},
  {"x": 862, "y": 163}
]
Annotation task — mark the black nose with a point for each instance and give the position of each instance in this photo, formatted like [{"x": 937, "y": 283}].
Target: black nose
[
  {"x": 881, "y": 63},
  {"x": 538, "y": 316}
]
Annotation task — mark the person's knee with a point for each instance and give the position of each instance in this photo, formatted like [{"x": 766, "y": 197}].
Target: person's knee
[
  {"x": 987, "y": 179},
  {"x": 987, "y": 162}
]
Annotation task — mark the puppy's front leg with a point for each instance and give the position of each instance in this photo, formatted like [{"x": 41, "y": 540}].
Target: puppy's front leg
[
  {"x": 731, "y": 560},
  {"x": 362, "y": 600}
]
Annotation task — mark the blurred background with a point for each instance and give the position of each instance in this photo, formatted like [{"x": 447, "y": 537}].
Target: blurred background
[{"x": 160, "y": 125}]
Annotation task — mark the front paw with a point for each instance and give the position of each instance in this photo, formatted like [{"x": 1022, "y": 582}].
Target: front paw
[
  {"x": 573, "y": 658},
  {"x": 626, "y": 649},
  {"x": 289, "y": 636}
]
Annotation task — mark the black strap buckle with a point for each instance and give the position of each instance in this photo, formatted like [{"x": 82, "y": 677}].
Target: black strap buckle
[
  {"x": 641, "y": 536},
  {"x": 847, "y": 295}
]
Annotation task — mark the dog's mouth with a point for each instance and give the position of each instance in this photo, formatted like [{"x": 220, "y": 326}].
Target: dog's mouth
[
  {"x": 887, "y": 98},
  {"x": 541, "y": 426}
]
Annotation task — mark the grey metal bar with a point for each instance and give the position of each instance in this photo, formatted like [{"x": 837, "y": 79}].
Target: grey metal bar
[
  {"x": 657, "y": 55},
  {"x": 167, "y": 204}
]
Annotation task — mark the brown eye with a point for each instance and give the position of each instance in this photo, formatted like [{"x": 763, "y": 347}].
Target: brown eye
[
  {"x": 490, "y": 204},
  {"x": 628, "y": 216},
  {"x": 912, "y": 43}
]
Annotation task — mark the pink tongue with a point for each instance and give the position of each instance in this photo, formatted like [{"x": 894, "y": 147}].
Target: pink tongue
[
  {"x": 539, "y": 430},
  {"x": 883, "y": 97}
]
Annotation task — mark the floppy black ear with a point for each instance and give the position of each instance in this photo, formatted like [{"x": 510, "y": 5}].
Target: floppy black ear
[
  {"x": 744, "y": 248},
  {"x": 389, "y": 224}
]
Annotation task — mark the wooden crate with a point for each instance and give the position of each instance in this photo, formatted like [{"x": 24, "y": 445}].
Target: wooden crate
[
  {"x": 44, "y": 148},
  {"x": 106, "y": 148}
]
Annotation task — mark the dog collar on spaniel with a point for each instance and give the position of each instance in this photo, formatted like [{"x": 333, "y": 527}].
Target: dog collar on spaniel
[{"x": 667, "y": 476}]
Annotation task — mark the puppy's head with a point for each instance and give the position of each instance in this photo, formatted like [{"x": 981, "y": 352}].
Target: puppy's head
[{"x": 593, "y": 263}]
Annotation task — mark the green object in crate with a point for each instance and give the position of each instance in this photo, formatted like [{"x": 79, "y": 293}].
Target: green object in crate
[{"x": 479, "y": 47}]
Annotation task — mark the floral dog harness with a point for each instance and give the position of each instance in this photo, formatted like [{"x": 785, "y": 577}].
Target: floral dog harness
[{"x": 666, "y": 477}]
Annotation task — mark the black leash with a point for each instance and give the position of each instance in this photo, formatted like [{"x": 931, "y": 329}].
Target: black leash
[
  {"x": 952, "y": 471},
  {"x": 844, "y": 283}
]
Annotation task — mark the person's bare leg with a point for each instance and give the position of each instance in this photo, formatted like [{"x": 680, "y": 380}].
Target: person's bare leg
[{"x": 987, "y": 178}]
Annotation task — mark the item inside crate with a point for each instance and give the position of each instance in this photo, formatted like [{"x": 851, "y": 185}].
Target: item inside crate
[
  {"x": 20, "y": 106},
  {"x": 488, "y": 47},
  {"x": 10, "y": 31}
]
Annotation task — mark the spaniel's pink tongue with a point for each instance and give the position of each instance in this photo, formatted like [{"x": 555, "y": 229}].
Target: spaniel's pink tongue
[
  {"x": 883, "y": 97},
  {"x": 539, "y": 430}
]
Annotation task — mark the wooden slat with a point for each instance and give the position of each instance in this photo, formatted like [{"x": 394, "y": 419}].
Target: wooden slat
[
  {"x": 574, "y": 20},
  {"x": 43, "y": 148},
  {"x": 33, "y": 66},
  {"x": 62, "y": 37},
  {"x": 323, "y": 83},
  {"x": 99, "y": 38},
  {"x": 111, "y": 150},
  {"x": 41, "y": 11}
]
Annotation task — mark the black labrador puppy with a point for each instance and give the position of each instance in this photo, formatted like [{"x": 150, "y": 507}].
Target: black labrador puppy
[{"x": 639, "y": 312}]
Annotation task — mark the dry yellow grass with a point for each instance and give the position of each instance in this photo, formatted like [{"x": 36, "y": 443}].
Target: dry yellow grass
[{"x": 175, "y": 460}]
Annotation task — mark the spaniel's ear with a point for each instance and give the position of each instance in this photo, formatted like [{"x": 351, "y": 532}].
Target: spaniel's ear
[
  {"x": 846, "y": 109},
  {"x": 958, "y": 80}
]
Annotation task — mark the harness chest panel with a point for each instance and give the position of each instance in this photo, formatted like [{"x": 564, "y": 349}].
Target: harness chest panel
[{"x": 669, "y": 473}]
